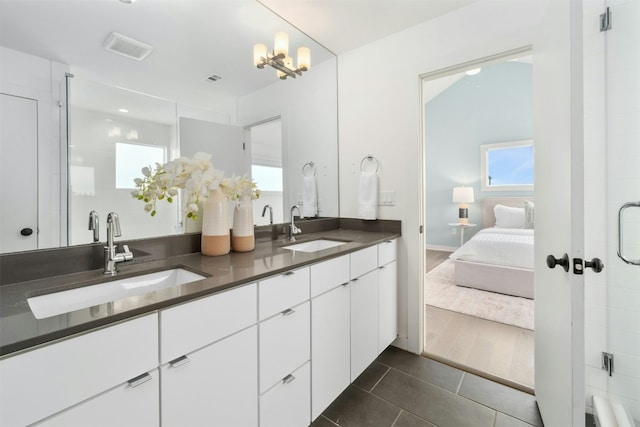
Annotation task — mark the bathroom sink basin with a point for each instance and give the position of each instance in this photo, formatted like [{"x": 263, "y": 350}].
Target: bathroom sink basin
[
  {"x": 314, "y": 245},
  {"x": 61, "y": 302}
]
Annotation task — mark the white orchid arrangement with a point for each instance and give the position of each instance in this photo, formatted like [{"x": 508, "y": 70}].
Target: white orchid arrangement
[
  {"x": 242, "y": 186},
  {"x": 196, "y": 176}
]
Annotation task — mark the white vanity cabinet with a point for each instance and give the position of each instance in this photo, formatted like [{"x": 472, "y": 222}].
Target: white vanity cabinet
[
  {"x": 91, "y": 371},
  {"x": 387, "y": 293},
  {"x": 284, "y": 349},
  {"x": 209, "y": 360},
  {"x": 330, "y": 332},
  {"x": 364, "y": 309}
]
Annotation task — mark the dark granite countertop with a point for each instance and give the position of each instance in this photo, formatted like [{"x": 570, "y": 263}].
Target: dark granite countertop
[{"x": 20, "y": 330}]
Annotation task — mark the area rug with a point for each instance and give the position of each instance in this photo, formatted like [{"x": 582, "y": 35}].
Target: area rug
[{"x": 441, "y": 291}]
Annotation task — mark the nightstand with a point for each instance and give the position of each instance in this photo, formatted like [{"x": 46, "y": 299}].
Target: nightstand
[{"x": 462, "y": 228}]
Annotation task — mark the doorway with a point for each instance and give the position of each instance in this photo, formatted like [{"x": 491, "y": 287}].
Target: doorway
[{"x": 479, "y": 199}]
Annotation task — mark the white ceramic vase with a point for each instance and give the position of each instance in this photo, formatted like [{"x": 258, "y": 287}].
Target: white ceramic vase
[
  {"x": 242, "y": 235},
  {"x": 215, "y": 225}
]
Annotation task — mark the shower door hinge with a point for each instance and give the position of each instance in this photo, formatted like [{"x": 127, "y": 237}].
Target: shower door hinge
[
  {"x": 605, "y": 20},
  {"x": 607, "y": 362}
]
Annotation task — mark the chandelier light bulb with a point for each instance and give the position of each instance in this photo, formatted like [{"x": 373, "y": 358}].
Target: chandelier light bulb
[
  {"x": 304, "y": 58},
  {"x": 281, "y": 44},
  {"x": 259, "y": 51}
]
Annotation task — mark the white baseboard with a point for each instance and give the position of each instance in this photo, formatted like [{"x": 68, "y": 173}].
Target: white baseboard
[{"x": 440, "y": 248}]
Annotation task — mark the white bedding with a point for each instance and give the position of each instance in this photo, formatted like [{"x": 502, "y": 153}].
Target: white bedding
[{"x": 512, "y": 247}]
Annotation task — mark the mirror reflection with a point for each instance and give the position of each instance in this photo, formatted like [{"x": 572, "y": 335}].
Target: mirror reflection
[{"x": 251, "y": 121}]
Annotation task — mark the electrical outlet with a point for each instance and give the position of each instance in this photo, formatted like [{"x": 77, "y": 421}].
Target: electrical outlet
[{"x": 387, "y": 198}]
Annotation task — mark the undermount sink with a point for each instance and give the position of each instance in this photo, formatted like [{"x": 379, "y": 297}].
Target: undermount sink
[
  {"x": 61, "y": 302},
  {"x": 314, "y": 245}
]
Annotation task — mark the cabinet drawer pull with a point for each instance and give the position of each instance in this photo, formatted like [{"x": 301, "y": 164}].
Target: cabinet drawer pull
[
  {"x": 140, "y": 379},
  {"x": 175, "y": 363},
  {"x": 288, "y": 379},
  {"x": 289, "y": 273},
  {"x": 388, "y": 241},
  {"x": 346, "y": 284},
  {"x": 288, "y": 312},
  {"x": 355, "y": 280},
  {"x": 381, "y": 267}
]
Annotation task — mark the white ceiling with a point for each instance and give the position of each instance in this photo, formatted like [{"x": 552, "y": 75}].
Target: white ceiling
[
  {"x": 343, "y": 25},
  {"x": 193, "y": 39}
]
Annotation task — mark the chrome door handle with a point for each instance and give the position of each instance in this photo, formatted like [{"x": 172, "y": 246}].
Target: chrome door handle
[{"x": 620, "y": 254}]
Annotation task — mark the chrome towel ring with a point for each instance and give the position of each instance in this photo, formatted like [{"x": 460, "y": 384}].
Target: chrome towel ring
[
  {"x": 309, "y": 167},
  {"x": 369, "y": 158}
]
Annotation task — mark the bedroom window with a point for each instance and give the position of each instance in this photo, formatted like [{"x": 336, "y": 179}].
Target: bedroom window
[{"x": 507, "y": 166}]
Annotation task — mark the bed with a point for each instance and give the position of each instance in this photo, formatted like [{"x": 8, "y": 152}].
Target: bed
[{"x": 499, "y": 259}]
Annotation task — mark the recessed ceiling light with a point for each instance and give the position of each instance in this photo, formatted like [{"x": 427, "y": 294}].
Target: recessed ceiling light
[{"x": 123, "y": 110}]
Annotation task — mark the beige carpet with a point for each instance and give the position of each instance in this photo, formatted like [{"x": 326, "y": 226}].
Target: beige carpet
[{"x": 441, "y": 291}]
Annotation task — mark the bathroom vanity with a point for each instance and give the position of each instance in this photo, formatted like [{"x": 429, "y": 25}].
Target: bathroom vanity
[{"x": 267, "y": 338}]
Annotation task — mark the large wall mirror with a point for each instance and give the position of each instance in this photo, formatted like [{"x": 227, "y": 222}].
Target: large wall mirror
[{"x": 198, "y": 90}]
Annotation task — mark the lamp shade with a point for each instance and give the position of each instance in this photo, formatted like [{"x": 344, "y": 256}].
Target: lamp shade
[
  {"x": 259, "y": 52},
  {"x": 281, "y": 43},
  {"x": 463, "y": 195}
]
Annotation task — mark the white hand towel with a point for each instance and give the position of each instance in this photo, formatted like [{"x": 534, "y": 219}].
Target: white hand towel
[
  {"x": 368, "y": 195},
  {"x": 309, "y": 196}
]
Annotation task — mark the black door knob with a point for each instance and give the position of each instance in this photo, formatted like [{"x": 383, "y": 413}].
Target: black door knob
[
  {"x": 595, "y": 264},
  {"x": 553, "y": 261},
  {"x": 26, "y": 231}
]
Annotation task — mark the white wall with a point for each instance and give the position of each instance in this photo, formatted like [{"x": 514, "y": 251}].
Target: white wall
[
  {"x": 41, "y": 79},
  {"x": 307, "y": 107},
  {"x": 93, "y": 148},
  {"x": 379, "y": 113}
]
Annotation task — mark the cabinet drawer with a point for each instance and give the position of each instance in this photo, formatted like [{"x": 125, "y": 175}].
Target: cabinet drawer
[
  {"x": 193, "y": 325},
  {"x": 278, "y": 293},
  {"x": 136, "y": 407},
  {"x": 285, "y": 344},
  {"x": 217, "y": 387},
  {"x": 364, "y": 261},
  {"x": 288, "y": 403},
  {"x": 387, "y": 252},
  {"x": 329, "y": 274},
  {"x": 47, "y": 380}
]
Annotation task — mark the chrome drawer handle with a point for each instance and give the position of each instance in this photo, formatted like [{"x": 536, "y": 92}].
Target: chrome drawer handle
[
  {"x": 288, "y": 379},
  {"x": 289, "y": 273},
  {"x": 140, "y": 379},
  {"x": 175, "y": 363},
  {"x": 288, "y": 312}
]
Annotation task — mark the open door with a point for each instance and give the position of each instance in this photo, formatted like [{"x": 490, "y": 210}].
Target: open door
[{"x": 559, "y": 292}]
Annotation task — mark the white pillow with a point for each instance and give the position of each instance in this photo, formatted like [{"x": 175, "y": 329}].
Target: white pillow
[
  {"x": 508, "y": 217},
  {"x": 529, "y": 214}
]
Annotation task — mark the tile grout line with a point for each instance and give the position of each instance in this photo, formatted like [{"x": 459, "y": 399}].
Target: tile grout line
[
  {"x": 396, "y": 420},
  {"x": 381, "y": 378},
  {"x": 460, "y": 383}
]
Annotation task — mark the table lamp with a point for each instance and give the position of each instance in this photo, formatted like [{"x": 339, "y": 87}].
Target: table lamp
[{"x": 463, "y": 195}]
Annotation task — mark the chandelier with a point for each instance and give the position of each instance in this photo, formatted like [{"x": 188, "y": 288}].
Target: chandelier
[{"x": 280, "y": 59}]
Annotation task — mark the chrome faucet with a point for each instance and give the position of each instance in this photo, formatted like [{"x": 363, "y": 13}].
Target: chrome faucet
[
  {"x": 111, "y": 255},
  {"x": 293, "y": 230},
  {"x": 94, "y": 224},
  {"x": 264, "y": 211}
]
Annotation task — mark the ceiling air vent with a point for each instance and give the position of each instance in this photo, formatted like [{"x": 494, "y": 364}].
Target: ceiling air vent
[
  {"x": 126, "y": 46},
  {"x": 214, "y": 78}
]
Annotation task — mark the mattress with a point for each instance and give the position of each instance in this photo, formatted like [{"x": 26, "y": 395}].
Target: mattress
[{"x": 510, "y": 247}]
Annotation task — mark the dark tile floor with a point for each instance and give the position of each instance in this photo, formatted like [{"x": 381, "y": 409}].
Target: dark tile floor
[{"x": 401, "y": 389}]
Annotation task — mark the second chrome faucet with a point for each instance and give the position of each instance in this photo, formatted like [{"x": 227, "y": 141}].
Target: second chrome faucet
[
  {"x": 111, "y": 255},
  {"x": 293, "y": 230}
]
